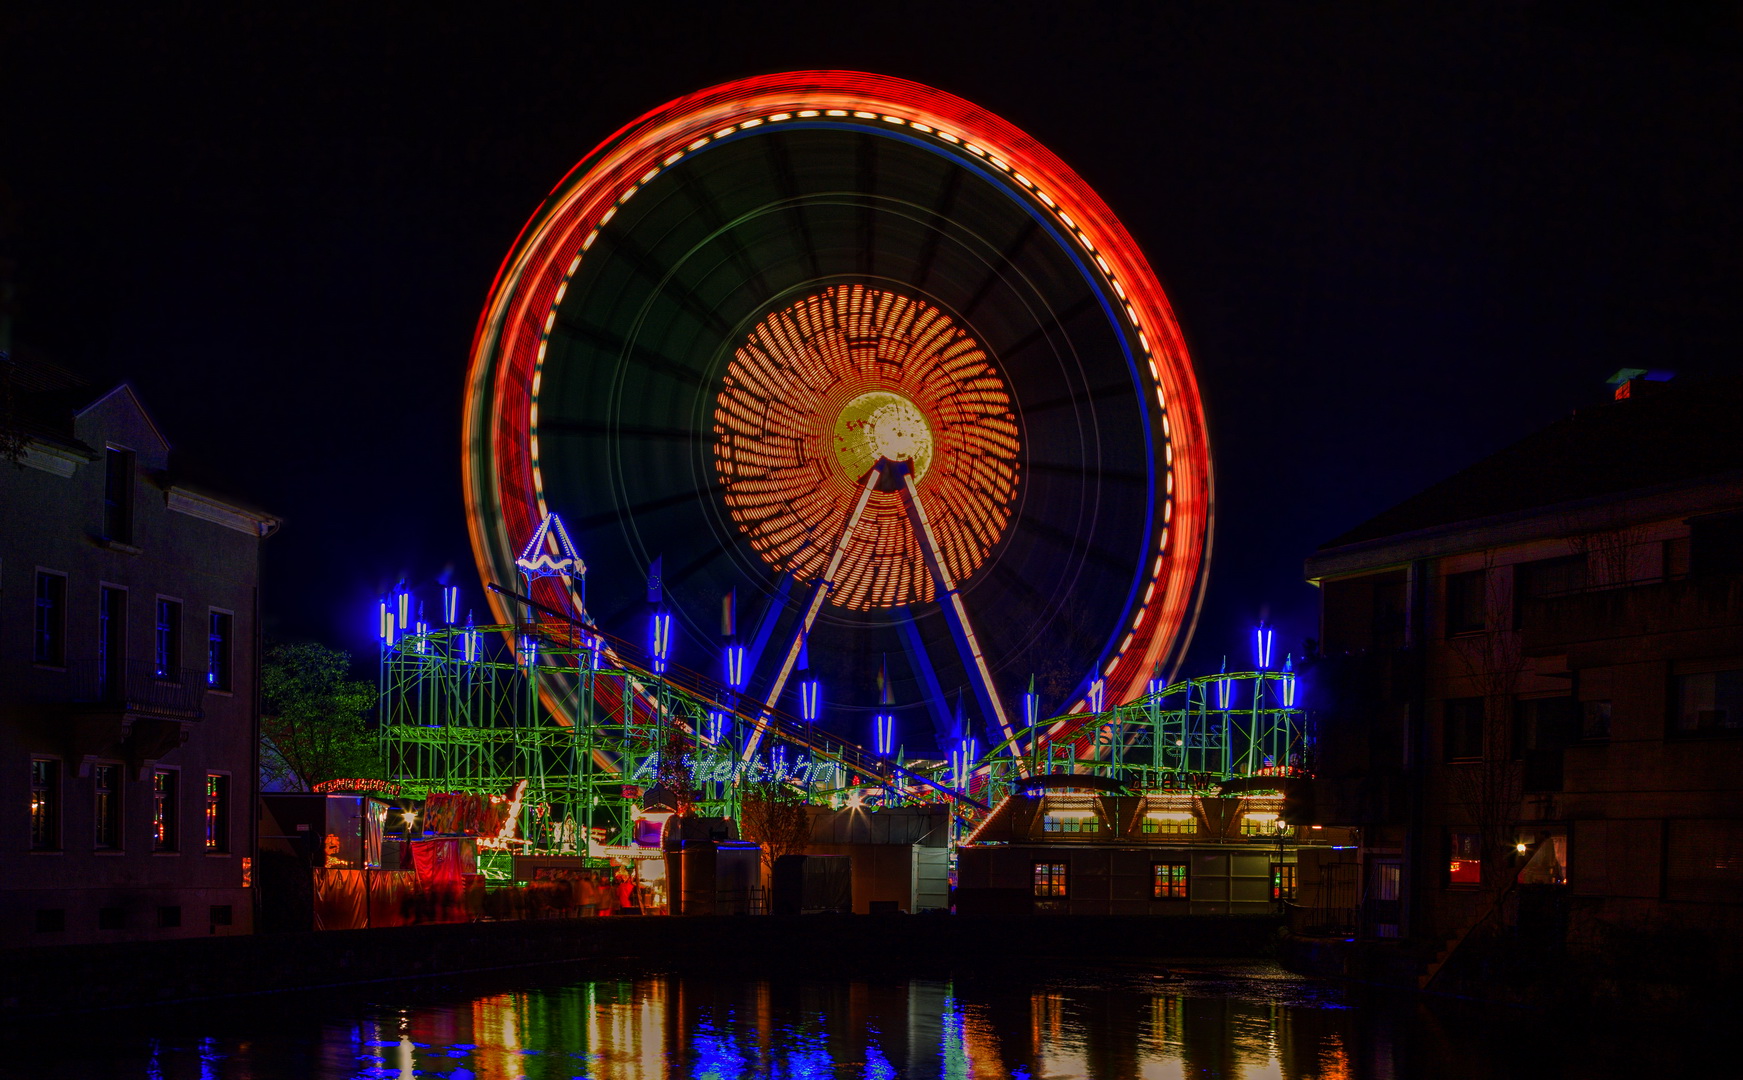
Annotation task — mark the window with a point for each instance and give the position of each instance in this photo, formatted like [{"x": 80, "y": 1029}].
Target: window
[
  {"x": 118, "y": 495},
  {"x": 163, "y": 809},
  {"x": 111, "y": 641},
  {"x": 108, "y": 782},
  {"x": 51, "y": 920},
  {"x": 111, "y": 918},
  {"x": 1282, "y": 881},
  {"x": 169, "y": 916},
  {"x": 1594, "y": 719},
  {"x": 1544, "y": 579},
  {"x": 168, "y": 655},
  {"x": 1543, "y": 724},
  {"x": 1170, "y": 822},
  {"x": 217, "y": 812},
  {"x": 1467, "y": 602},
  {"x": 1050, "y": 880},
  {"x": 1465, "y": 862},
  {"x": 222, "y": 915},
  {"x": 1068, "y": 821},
  {"x": 51, "y": 618},
  {"x": 1168, "y": 881},
  {"x": 1264, "y": 824},
  {"x": 218, "y": 651},
  {"x": 1710, "y": 701},
  {"x": 1463, "y": 729},
  {"x": 45, "y": 804}
]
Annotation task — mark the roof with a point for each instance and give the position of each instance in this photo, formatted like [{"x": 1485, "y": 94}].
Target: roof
[{"x": 1679, "y": 435}]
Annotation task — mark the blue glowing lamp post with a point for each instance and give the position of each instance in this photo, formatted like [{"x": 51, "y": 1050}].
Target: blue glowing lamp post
[
  {"x": 1262, "y": 646},
  {"x": 1224, "y": 687},
  {"x": 1289, "y": 682},
  {"x": 450, "y": 604},
  {"x": 1098, "y": 692},
  {"x": 385, "y": 624},
  {"x": 962, "y": 763},
  {"x": 886, "y": 734},
  {"x": 735, "y": 667},
  {"x": 661, "y": 645},
  {"x": 1031, "y": 705}
]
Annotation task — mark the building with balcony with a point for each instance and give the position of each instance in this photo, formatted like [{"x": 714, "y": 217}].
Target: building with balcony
[
  {"x": 128, "y": 657},
  {"x": 1532, "y": 680},
  {"x": 1083, "y": 845}
]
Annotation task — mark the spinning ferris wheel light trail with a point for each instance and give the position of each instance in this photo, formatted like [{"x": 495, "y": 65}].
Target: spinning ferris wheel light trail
[{"x": 877, "y": 366}]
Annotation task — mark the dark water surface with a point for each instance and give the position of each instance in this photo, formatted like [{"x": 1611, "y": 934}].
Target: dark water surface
[{"x": 1226, "y": 1021}]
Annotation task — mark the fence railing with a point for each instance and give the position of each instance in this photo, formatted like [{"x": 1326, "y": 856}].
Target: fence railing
[{"x": 137, "y": 686}]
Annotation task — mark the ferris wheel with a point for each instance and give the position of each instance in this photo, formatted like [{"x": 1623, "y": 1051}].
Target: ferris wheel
[{"x": 872, "y": 385}]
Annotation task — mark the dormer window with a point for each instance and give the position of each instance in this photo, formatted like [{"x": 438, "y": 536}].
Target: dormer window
[{"x": 118, "y": 495}]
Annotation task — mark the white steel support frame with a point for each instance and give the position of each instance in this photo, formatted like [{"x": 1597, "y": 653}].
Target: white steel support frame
[
  {"x": 824, "y": 585},
  {"x": 950, "y": 599}
]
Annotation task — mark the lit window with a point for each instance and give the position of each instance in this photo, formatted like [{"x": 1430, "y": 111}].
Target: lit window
[
  {"x": 108, "y": 832},
  {"x": 1709, "y": 701},
  {"x": 1070, "y": 822},
  {"x": 168, "y": 641},
  {"x": 218, "y": 651},
  {"x": 1261, "y": 824},
  {"x": 163, "y": 810},
  {"x": 217, "y": 812},
  {"x": 45, "y": 804},
  {"x": 1050, "y": 880},
  {"x": 1465, "y": 865},
  {"x": 1282, "y": 881},
  {"x": 1168, "y": 881},
  {"x": 1170, "y": 822}
]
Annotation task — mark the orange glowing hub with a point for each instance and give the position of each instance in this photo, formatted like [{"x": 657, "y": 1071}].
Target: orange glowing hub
[{"x": 819, "y": 393}]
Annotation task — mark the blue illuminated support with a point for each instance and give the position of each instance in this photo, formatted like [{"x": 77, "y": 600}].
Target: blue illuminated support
[
  {"x": 1155, "y": 685},
  {"x": 469, "y": 642},
  {"x": 384, "y": 624},
  {"x": 1224, "y": 687},
  {"x": 529, "y": 651},
  {"x": 1289, "y": 681},
  {"x": 1262, "y": 645},
  {"x": 404, "y": 601},
  {"x": 885, "y": 741},
  {"x": 450, "y": 604},
  {"x": 810, "y": 695},
  {"x": 717, "y": 726},
  {"x": 735, "y": 667},
  {"x": 1098, "y": 692},
  {"x": 962, "y": 763},
  {"x": 1031, "y": 705},
  {"x": 662, "y": 641},
  {"x": 423, "y": 631}
]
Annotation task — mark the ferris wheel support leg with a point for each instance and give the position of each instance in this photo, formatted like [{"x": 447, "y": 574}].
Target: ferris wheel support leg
[
  {"x": 826, "y": 583},
  {"x": 951, "y": 600}
]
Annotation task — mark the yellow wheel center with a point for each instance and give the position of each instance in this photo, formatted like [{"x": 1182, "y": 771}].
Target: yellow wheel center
[{"x": 877, "y": 425}]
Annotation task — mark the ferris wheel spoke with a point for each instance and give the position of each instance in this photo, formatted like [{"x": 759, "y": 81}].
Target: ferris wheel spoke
[
  {"x": 636, "y": 353},
  {"x": 780, "y": 163},
  {"x": 997, "y": 270},
  {"x": 950, "y": 598},
  {"x": 941, "y": 212},
  {"x": 821, "y": 593}
]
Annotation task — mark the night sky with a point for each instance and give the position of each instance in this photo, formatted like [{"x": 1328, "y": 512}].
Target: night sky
[{"x": 1395, "y": 242}]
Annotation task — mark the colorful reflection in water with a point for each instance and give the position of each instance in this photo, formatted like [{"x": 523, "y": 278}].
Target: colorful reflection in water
[{"x": 1248, "y": 1023}]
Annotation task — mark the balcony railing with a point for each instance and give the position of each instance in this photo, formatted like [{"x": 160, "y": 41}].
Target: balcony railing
[{"x": 137, "y": 686}]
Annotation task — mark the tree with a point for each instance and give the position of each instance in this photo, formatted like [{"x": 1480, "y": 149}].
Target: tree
[
  {"x": 775, "y": 815},
  {"x": 314, "y": 723}
]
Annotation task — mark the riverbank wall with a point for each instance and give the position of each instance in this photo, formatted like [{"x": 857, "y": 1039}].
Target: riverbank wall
[{"x": 59, "y": 980}]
